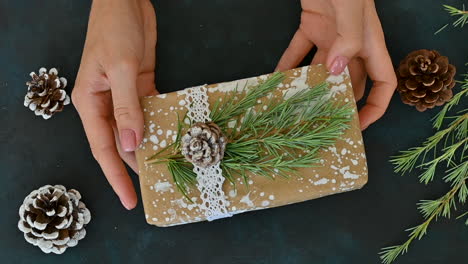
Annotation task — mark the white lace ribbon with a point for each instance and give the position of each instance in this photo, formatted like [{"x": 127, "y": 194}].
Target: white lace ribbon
[{"x": 209, "y": 180}]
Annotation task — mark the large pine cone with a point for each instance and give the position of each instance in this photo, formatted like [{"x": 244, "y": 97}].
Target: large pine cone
[
  {"x": 425, "y": 79},
  {"x": 204, "y": 144},
  {"x": 46, "y": 95},
  {"x": 53, "y": 218}
]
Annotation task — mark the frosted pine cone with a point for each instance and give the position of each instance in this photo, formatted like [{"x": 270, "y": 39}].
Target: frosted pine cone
[
  {"x": 53, "y": 218},
  {"x": 204, "y": 144},
  {"x": 46, "y": 95},
  {"x": 425, "y": 79}
]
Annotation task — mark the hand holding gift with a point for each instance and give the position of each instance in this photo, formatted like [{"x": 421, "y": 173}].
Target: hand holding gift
[
  {"x": 346, "y": 33},
  {"x": 212, "y": 151},
  {"x": 119, "y": 57}
]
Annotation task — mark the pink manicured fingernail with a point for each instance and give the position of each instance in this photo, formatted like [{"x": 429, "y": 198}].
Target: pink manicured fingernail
[
  {"x": 128, "y": 140},
  {"x": 338, "y": 65}
]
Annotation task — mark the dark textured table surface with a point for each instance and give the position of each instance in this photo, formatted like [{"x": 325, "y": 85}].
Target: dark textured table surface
[{"x": 206, "y": 42}]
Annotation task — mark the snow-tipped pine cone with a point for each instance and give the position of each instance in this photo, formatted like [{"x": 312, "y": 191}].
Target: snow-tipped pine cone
[
  {"x": 46, "y": 95},
  {"x": 53, "y": 218},
  {"x": 204, "y": 144},
  {"x": 425, "y": 79}
]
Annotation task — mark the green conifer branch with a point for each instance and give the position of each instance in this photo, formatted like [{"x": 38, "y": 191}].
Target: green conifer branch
[
  {"x": 454, "y": 142},
  {"x": 278, "y": 140}
]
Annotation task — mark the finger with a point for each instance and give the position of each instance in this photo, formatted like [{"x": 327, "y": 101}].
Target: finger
[
  {"x": 127, "y": 157},
  {"x": 127, "y": 111},
  {"x": 380, "y": 69},
  {"x": 145, "y": 84},
  {"x": 101, "y": 139},
  {"x": 298, "y": 48},
  {"x": 319, "y": 57},
  {"x": 349, "y": 26},
  {"x": 358, "y": 74}
]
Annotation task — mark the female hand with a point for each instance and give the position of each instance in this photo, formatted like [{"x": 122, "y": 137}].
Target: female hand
[
  {"x": 346, "y": 33},
  {"x": 117, "y": 67}
]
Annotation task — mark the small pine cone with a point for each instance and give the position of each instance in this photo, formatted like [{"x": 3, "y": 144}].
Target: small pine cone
[
  {"x": 425, "y": 79},
  {"x": 53, "y": 218},
  {"x": 46, "y": 95},
  {"x": 204, "y": 144}
]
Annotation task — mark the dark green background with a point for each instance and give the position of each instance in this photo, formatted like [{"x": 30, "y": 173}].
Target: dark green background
[{"x": 207, "y": 42}]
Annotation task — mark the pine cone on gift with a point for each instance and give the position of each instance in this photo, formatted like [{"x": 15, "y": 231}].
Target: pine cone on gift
[
  {"x": 425, "y": 79},
  {"x": 53, "y": 218},
  {"x": 46, "y": 95},
  {"x": 204, "y": 144}
]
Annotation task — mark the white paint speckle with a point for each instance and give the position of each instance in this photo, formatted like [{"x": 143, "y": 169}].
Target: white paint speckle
[
  {"x": 154, "y": 139},
  {"x": 246, "y": 200},
  {"x": 321, "y": 181},
  {"x": 344, "y": 151},
  {"x": 162, "y": 186}
]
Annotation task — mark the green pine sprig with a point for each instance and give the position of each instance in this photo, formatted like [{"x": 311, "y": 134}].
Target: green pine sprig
[
  {"x": 276, "y": 140},
  {"x": 460, "y": 14},
  {"x": 447, "y": 147}
]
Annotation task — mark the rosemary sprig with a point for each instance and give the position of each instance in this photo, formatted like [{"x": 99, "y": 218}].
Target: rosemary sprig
[{"x": 454, "y": 142}]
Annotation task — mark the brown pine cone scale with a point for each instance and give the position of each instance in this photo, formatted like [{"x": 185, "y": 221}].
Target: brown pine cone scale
[{"x": 425, "y": 79}]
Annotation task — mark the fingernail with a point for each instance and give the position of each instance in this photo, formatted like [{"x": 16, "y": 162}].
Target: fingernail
[
  {"x": 126, "y": 205},
  {"x": 338, "y": 65},
  {"x": 128, "y": 140}
]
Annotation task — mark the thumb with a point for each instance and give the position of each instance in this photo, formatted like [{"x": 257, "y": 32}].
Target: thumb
[
  {"x": 349, "y": 26},
  {"x": 127, "y": 111}
]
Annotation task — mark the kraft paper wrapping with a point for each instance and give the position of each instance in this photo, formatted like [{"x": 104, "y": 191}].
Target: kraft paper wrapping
[{"x": 343, "y": 166}]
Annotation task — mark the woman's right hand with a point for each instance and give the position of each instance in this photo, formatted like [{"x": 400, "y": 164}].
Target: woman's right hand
[{"x": 117, "y": 67}]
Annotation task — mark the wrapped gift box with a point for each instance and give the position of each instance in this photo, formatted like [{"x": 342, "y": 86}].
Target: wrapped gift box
[{"x": 342, "y": 166}]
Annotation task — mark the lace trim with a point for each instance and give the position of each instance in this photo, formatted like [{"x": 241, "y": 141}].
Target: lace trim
[{"x": 209, "y": 180}]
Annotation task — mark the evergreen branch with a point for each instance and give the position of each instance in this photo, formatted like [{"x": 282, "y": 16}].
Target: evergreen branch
[
  {"x": 406, "y": 161},
  {"x": 453, "y": 154},
  {"x": 297, "y": 127},
  {"x": 430, "y": 209},
  {"x": 232, "y": 109},
  {"x": 461, "y": 14},
  {"x": 283, "y": 136},
  {"x": 439, "y": 118}
]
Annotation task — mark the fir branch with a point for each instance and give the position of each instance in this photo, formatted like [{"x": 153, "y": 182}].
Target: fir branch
[
  {"x": 276, "y": 140},
  {"x": 430, "y": 209},
  {"x": 461, "y": 14},
  {"x": 441, "y": 116},
  {"x": 454, "y": 143},
  {"x": 286, "y": 135},
  {"x": 407, "y": 160},
  {"x": 232, "y": 109},
  {"x": 182, "y": 173}
]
